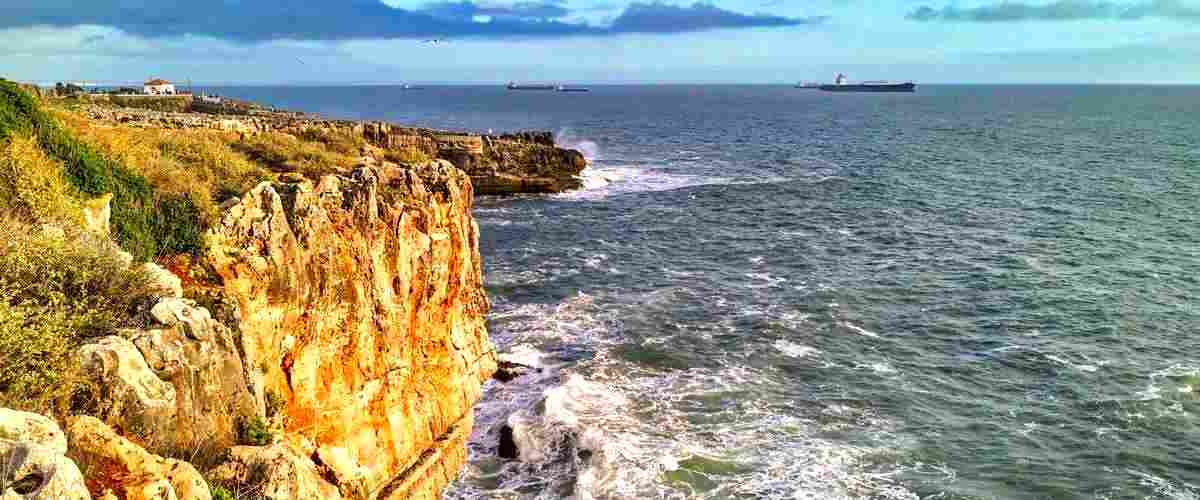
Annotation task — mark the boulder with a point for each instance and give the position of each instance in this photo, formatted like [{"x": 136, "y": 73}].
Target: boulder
[
  {"x": 31, "y": 471},
  {"x": 185, "y": 381},
  {"x": 276, "y": 472},
  {"x": 33, "y": 465},
  {"x": 164, "y": 280},
  {"x": 130, "y": 392},
  {"x": 31, "y": 428},
  {"x": 145, "y": 476}
]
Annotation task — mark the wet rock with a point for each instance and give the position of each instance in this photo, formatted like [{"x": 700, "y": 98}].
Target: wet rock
[
  {"x": 508, "y": 447},
  {"x": 507, "y": 371}
]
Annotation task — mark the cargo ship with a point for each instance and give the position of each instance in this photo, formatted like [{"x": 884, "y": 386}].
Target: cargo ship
[
  {"x": 534, "y": 86},
  {"x": 564, "y": 88},
  {"x": 841, "y": 85}
]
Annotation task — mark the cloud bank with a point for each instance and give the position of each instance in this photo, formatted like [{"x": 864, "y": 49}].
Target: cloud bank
[
  {"x": 1061, "y": 10},
  {"x": 264, "y": 20}
]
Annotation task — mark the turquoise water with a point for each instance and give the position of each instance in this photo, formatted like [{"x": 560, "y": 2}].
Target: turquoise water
[{"x": 970, "y": 292}]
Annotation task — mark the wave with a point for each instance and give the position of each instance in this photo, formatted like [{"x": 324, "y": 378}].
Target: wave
[{"x": 589, "y": 425}]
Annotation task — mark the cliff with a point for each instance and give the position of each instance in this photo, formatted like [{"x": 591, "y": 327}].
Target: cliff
[
  {"x": 326, "y": 338},
  {"x": 362, "y": 313},
  {"x": 527, "y": 162}
]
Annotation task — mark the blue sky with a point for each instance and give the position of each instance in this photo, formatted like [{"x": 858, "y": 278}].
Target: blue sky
[{"x": 754, "y": 41}]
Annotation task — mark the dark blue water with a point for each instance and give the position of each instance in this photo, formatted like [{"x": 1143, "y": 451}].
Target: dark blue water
[{"x": 970, "y": 292}]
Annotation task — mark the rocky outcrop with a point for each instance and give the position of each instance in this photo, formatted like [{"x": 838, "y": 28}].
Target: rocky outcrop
[
  {"x": 362, "y": 320},
  {"x": 33, "y": 462},
  {"x": 179, "y": 384},
  {"x": 526, "y": 162},
  {"x": 125, "y": 469}
]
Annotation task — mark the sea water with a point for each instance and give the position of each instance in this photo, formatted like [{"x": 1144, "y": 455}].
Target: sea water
[{"x": 970, "y": 292}]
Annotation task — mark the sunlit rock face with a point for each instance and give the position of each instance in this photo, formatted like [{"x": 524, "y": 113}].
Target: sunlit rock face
[{"x": 361, "y": 321}]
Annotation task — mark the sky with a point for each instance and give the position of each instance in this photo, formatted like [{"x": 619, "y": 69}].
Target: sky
[{"x": 600, "y": 41}]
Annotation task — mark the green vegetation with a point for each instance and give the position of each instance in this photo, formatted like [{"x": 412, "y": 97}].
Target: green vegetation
[
  {"x": 32, "y": 185},
  {"x": 220, "y": 492},
  {"x": 139, "y": 225},
  {"x": 177, "y": 104},
  {"x": 58, "y": 288},
  {"x": 200, "y": 166},
  {"x": 254, "y": 432},
  {"x": 275, "y": 403}
]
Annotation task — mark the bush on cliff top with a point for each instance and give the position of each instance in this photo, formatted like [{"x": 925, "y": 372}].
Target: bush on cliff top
[
  {"x": 139, "y": 224},
  {"x": 32, "y": 185},
  {"x": 196, "y": 164},
  {"x": 58, "y": 287}
]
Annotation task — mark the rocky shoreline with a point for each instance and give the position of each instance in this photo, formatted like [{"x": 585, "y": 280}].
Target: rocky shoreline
[
  {"x": 327, "y": 340},
  {"x": 504, "y": 164}
]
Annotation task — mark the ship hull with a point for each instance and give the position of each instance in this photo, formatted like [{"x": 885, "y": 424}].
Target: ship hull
[
  {"x": 530, "y": 87},
  {"x": 871, "y": 87}
]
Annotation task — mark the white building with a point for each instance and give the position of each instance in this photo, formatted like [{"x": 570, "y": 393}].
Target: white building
[{"x": 158, "y": 86}]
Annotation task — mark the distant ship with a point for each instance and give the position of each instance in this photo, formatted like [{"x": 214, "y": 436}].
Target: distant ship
[
  {"x": 841, "y": 85},
  {"x": 564, "y": 88},
  {"x": 518, "y": 86},
  {"x": 808, "y": 85}
]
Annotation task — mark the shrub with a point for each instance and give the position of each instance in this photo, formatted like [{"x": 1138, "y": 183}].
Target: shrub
[
  {"x": 193, "y": 163},
  {"x": 254, "y": 432},
  {"x": 58, "y": 288},
  {"x": 220, "y": 492},
  {"x": 32, "y": 185}
]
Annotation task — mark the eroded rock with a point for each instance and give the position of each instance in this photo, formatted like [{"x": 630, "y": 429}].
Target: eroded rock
[
  {"x": 33, "y": 465},
  {"x": 276, "y": 472},
  {"x": 145, "y": 476},
  {"x": 362, "y": 314}
]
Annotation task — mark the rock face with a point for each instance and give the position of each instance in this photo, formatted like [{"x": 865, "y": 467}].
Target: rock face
[
  {"x": 33, "y": 465},
  {"x": 179, "y": 384},
  {"x": 526, "y": 162},
  {"x": 135, "y": 473},
  {"x": 362, "y": 326}
]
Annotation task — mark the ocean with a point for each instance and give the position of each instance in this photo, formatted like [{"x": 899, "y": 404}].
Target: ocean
[{"x": 970, "y": 292}]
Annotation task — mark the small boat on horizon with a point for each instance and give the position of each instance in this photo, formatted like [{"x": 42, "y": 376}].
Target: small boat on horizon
[
  {"x": 564, "y": 88},
  {"x": 808, "y": 85},
  {"x": 529, "y": 86},
  {"x": 841, "y": 85}
]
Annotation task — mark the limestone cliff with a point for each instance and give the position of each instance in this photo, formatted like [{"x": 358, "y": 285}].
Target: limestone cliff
[
  {"x": 362, "y": 317},
  {"x": 526, "y": 162}
]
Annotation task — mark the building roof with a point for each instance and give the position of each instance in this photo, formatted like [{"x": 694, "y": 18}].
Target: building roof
[{"x": 158, "y": 81}]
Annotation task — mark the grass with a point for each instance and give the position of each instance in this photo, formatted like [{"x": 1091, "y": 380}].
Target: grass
[
  {"x": 201, "y": 166},
  {"x": 33, "y": 186},
  {"x": 281, "y": 152},
  {"x": 138, "y": 224},
  {"x": 407, "y": 156}
]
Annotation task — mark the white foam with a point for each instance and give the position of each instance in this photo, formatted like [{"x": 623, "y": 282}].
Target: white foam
[
  {"x": 1166, "y": 488},
  {"x": 859, "y": 330},
  {"x": 795, "y": 350}
]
